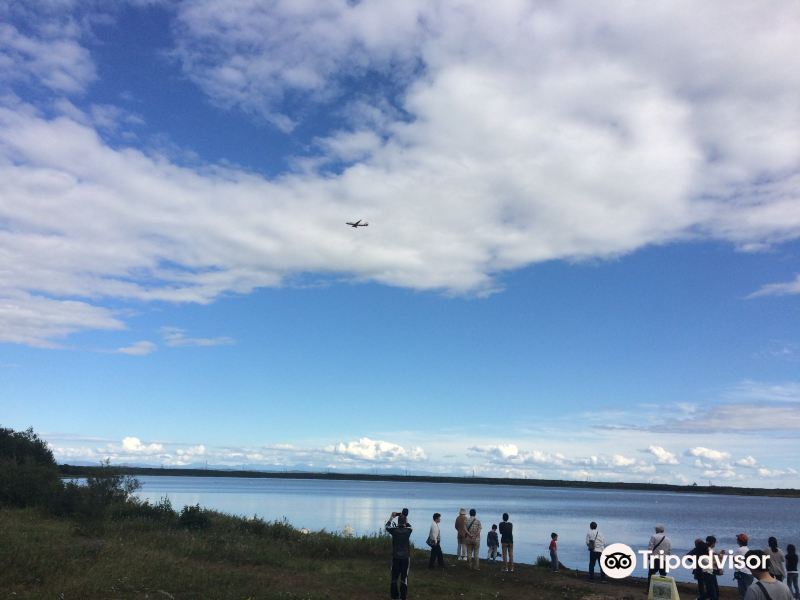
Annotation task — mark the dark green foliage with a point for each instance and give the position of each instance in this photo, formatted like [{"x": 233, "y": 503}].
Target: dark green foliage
[
  {"x": 25, "y": 447},
  {"x": 28, "y": 472},
  {"x": 105, "y": 490},
  {"x": 194, "y": 518},
  {"x": 161, "y": 511},
  {"x": 542, "y": 561}
]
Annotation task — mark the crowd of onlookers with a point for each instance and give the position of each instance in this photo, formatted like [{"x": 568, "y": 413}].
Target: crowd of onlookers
[{"x": 777, "y": 580}]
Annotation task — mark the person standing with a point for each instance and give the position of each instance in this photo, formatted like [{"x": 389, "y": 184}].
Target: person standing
[
  {"x": 659, "y": 547},
  {"x": 492, "y": 543},
  {"x": 473, "y": 540},
  {"x": 554, "y": 552},
  {"x": 777, "y": 560},
  {"x": 766, "y": 587},
  {"x": 700, "y": 549},
  {"x": 507, "y": 543},
  {"x": 435, "y": 542},
  {"x": 741, "y": 575},
  {"x": 401, "y": 554},
  {"x": 595, "y": 543},
  {"x": 461, "y": 521},
  {"x": 791, "y": 570},
  {"x": 710, "y": 574}
]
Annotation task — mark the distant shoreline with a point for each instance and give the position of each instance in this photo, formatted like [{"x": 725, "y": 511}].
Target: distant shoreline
[{"x": 84, "y": 471}]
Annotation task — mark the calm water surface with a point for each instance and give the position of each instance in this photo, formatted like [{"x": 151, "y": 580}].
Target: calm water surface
[{"x": 623, "y": 516}]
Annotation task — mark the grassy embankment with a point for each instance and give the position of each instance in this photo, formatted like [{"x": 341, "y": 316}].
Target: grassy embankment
[{"x": 131, "y": 556}]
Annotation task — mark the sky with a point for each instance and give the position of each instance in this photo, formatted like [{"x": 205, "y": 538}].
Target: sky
[{"x": 581, "y": 259}]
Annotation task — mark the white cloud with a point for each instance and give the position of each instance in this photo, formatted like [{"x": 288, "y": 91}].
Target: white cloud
[
  {"x": 748, "y": 462},
  {"x": 135, "y": 445},
  {"x": 759, "y": 391},
  {"x": 192, "y": 451},
  {"x": 510, "y": 454},
  {"x": 708, "y": 454},
  {"x": 773, "y": 473},
  {"x": 57, "y": 61},
  {"x": 39, "y": 321},
  {"x": 174, "y": 336},
  {"x": 663, "y": 457},
  {"x": 141, "y": 348},
  {"x": 622, "y": 461},
  {"x": 721, "y": 474},
  {"x": 615, "y": 137},
  {"x": 778, "y": 289},
  {"x": 377, "y": 450}
]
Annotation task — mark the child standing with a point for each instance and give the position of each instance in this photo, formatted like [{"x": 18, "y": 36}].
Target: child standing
[
  {"x": 493, "y": 542},
  {"x": 554, "y": 552}
]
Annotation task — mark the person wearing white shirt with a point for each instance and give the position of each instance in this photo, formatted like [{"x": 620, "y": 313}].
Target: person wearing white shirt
[
  {"x": 434, "y": 541},
  {"x": 742, "y": 575},
  {"x": 595, "y": 543}
]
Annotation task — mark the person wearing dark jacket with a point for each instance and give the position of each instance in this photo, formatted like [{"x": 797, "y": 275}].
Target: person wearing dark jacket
[
  {"x": 700, "y": 549},
  {"x": 401, "y": 554}
]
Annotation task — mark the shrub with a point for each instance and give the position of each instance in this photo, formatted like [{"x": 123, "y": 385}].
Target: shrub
[
  {"x": 256, "y": 526},
  {"x": 194, "y": 518},
  {"x": 104, "y": 490},
  {"x": 542, "y": 561},
  {"x": 161, "y": 511}
]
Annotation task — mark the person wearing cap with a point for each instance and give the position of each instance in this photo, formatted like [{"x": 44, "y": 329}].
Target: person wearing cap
[
  {"x": 765, "y": 587},
  {"x": 401, "y": 554},
  {"x": 742, "y": 575},
  {"x": 461, "y": 529},
  {"x": 659, "y": 547}
]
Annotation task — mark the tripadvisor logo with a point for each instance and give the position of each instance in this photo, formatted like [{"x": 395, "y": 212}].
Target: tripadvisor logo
[{"x": 618, "y": 561}]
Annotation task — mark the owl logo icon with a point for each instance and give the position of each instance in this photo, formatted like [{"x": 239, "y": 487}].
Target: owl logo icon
[{"x": 618, "y": 561}]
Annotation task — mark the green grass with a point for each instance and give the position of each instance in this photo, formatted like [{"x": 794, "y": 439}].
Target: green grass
[{"x": 134, "y": 557}]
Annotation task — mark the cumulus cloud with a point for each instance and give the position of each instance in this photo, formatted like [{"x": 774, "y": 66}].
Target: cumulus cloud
[
  {"x": 773, "y": 473},
  {"x": 141, "y": 348},
  {"x": 663, "y": 457},
  {"x": 748, "y": 461},
  {"x": 478, "y": 161},
  {"x": 726, "y": 474},
  {"x": 377, "y": 450},
  {"x": 135, "y": 445},
  {"x": 708, "y": 454},
  {"x": 512, "y": 456}
]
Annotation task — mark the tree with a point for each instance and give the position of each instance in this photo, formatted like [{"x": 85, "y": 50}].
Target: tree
[{"x": 28, "y": 471}]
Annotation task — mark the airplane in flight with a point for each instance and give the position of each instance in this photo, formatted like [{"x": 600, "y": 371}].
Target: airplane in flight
[{"x": 358, "y": 224}]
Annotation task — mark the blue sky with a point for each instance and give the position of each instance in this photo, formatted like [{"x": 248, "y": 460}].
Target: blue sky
[{"x": 582, "y": 258}]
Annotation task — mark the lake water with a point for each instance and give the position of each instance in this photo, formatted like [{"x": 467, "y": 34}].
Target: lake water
[{"x": 623, "y": 516}]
